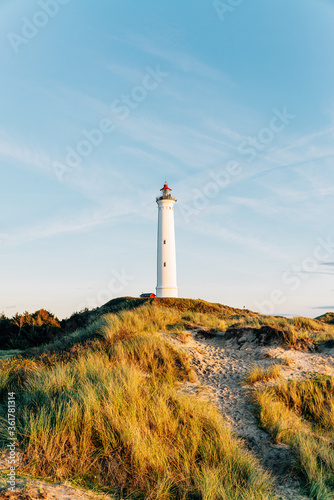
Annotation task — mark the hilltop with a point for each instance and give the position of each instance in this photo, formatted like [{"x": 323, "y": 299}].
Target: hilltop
[
  {"x": 130, "y": 303},
  {"x": 327, "y": 318},
  {"x": 41, "y": 327},
  {"x": 176, "y": 398}
]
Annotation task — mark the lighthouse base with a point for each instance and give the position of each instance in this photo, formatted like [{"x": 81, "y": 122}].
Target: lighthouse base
[{"x": 166, "y": 292}]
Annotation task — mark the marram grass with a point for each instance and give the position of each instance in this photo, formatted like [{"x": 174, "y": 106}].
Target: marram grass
[
  {"x": 102, "y": 406},
  {"x": 301, "y": 415},
  {"x": 115, "y": 417},
  {"x": 120, "y": 427},
  {"x": 260, "y": 374}
]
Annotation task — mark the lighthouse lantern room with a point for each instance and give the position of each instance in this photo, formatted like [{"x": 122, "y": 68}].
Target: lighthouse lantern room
[{"x": 166, "y": 257}]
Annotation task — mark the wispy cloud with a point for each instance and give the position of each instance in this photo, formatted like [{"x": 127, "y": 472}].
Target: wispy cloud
[
  {"x": 263, "y": 206},
  {"x": 223, "y": 130},
  {"x": 71, "y": 223},
  {"x": 219, "y": 232},
  {"x": 176, "y": 57},
  {"x": 24, "y": 156},
  {"x": 184, "y": 144},
  {"x": 310, "y": 138},
  {"x": 126, "y": 72}
]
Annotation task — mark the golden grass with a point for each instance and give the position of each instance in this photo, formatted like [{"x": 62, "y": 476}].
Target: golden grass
[
  {"x": 209, "y": 321},
  {"x": 148, "y": 318},
  {"x": 259, "y": 374},
  {"x": 182, "y": 335},
  {"x": 176, "y": 315},
  {"x": 200, "y": 306},
  {"x": 102, "y": 406},
  {"x": 301, "y": 414},
  {"x": 115, "y": 418},
  {"x": 288, "y": 361},
  {"x": 327, "y": 318},
  {"x": 14, "y": 373}
]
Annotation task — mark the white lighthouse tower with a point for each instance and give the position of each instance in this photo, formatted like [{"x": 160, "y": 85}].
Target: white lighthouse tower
[{"x": 166, "y": 270}]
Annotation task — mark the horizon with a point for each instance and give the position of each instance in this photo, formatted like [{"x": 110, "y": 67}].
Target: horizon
[{"x": 232, "y": 105}]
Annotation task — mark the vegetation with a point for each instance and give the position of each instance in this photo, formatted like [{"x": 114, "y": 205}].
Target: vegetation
[
  {"x": 288, "y": 361},
  {"x": 111, "y": 414},
  {"x": 301, "y": 415},
  {"x": 27, "y": 330},
  {"x": 101, "y": 402},
  {"x": 327, "y": 318},
  {"x": 259, "y": 374}
]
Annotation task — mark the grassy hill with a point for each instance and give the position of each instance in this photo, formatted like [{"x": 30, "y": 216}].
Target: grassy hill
[
  {"x": 102, "y": 404},
  {"x": 327, "y": 318}
]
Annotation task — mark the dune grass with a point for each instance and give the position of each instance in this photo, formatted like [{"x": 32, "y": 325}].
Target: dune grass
[
  {"x": 301, "y": 415},
  {"x": 114, "y": 417},
  {"x": 296, "y": 332},
  {"x": 288, "y": 361},
  {"x": 130, "y": 430},
  {"x": 215, "y": 323},
  {"x": 102, "y": 407},
  {"x": 178, "y": 316},
  {"x": 327, "y": 318},
  {"x": 260, "y": 374}
]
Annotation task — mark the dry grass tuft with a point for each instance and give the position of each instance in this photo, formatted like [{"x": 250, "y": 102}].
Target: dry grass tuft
[
  {"x": 288, "y": 361},
  {"x": 182, "y": 335},
  {"x": 259, "y": 374}
]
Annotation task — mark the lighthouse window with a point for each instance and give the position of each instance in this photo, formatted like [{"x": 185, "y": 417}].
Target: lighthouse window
[
  {"x": 165, "y": 264},
  {"x": 164, "y": 242}
]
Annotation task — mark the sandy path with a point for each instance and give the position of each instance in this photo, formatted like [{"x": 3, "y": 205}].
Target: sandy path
[
  {"x": 222, "y": 365},
  {"x": 31, "y": 489}
]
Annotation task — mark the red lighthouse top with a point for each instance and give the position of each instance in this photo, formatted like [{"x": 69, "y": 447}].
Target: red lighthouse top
[
  {"x": 165, "y": 187},
  {"x": 165, "y": 193}
]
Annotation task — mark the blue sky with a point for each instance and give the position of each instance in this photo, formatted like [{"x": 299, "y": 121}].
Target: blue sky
[{"x": 232, "y": 104}]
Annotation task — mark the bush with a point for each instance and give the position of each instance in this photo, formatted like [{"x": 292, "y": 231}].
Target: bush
[{"x": 28, "y": 330}]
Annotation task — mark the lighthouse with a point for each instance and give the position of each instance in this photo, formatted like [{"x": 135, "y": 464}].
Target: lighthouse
[{"x": 166, "y": 258}]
